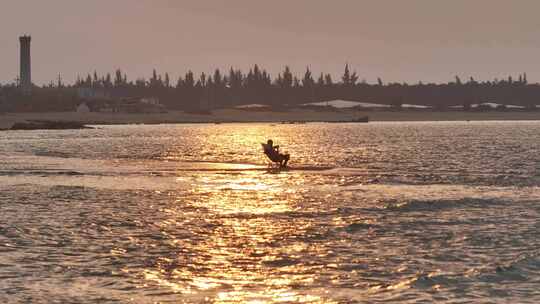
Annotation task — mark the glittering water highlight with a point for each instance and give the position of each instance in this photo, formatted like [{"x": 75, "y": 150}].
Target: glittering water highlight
[{"x": 379, "y": 212}]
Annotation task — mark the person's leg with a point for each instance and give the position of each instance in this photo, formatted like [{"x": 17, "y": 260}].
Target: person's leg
[
  {"x": 281, "y": 160},
  {"x": 285, "y": 159}
]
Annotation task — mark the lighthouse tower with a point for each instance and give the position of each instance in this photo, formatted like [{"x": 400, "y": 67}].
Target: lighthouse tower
[{"x": 26, "y": 74}]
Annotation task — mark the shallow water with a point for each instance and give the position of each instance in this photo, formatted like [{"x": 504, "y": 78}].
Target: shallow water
[{"x": 381, "y": 212}]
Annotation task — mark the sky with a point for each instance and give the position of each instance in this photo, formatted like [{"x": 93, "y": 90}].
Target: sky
[{"x": 398, "y": 40}]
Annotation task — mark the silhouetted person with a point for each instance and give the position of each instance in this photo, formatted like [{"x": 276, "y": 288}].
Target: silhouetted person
[{"x": 273, "y": 154}]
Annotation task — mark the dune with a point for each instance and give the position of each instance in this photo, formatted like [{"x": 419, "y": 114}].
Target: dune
[{"x": 343, "y": 104}]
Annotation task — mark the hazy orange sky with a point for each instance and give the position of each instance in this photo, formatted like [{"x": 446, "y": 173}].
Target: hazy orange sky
[{"x": 400, "y": 40}]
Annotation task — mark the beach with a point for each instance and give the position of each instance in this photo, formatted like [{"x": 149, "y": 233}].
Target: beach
[{"x": 234, "y": 115}]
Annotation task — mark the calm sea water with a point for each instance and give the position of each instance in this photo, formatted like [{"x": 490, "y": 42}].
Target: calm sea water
[{"x": 444, "y": 212}]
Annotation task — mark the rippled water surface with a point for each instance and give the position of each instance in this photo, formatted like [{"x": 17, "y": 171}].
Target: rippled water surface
[{"x": 367, "y": 213}]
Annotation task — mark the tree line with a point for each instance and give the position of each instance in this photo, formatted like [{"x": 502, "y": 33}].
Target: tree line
[{"x": 235, "y": 87}]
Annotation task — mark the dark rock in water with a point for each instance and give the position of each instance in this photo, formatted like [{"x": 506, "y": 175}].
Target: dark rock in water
[
  {"x": 48, "y": 125},
  {"x": 363, "y": 119},
  {"x": 199, "y": 112}
]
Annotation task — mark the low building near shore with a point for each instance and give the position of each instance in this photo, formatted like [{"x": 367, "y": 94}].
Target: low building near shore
[{"x": 123, "y": 105}]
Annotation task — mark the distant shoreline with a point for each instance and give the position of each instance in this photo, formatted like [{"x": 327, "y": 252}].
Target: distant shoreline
[{"x": 242, "y": 116}]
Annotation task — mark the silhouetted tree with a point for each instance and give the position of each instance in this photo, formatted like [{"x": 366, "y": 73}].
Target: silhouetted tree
[
  {"x": 328, "y": 80},
  {"x": 88, "y": 81},
  {"x": 320, "y": 81},
  {"x": 189, "y": 80},
  {"x": 95, "y": 81},
  {"x": 118, "y": 79},
  {"x": 167, "y": 81},
  {"x": 218, "y": 79},
  {"x": 107, "y": 82},
  {"x": 286, "y": 88},
  {"x": 348, "y": 78},
  {"x": 287, "y": 78},
  {"x": 307, "y": 81}
]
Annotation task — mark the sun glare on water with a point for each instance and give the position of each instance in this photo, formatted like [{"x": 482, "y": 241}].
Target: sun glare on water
[
  {"x": 366, "y": 213},
  {"x": 239, "y": 259}
]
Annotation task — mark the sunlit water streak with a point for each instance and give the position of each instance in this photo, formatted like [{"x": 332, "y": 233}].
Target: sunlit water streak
[{"x": 382, "y": 212}]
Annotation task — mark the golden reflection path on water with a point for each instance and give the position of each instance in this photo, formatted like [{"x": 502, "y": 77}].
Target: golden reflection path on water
[
  {"x": 423, "y": 221},
  {"x": 241, "y": 258}
]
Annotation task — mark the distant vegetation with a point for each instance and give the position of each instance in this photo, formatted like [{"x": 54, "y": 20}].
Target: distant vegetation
[{"x": 235, "y": 87}]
